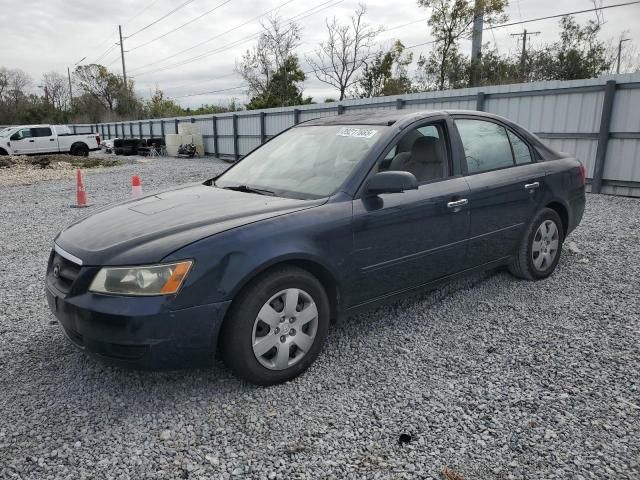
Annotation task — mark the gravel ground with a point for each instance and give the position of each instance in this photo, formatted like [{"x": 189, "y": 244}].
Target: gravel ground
[{"x": 492, "y": 377}]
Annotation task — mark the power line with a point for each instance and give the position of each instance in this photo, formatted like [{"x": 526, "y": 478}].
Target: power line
[
  {"x": 178, "y": 28},
  {"x": 562, "y": 15},
  {"x": 215, "y": 36},
  {"x": 434, "y": 41},
  {"x": 182, "y": 5},
  {"x": 140, "y": 13},
  {"x": 240, "y": 41}
]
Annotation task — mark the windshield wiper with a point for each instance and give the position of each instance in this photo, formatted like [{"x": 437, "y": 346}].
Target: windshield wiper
[{"x": 244, "y": 188}]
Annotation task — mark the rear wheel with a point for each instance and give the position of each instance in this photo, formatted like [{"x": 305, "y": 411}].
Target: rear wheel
[
  {"x": 539, "y": 252},
  {"x": 80, "y": 150},
  {"x": 276, "y": 327}
]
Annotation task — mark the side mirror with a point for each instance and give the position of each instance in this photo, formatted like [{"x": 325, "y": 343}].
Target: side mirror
[
  {"x": 391, "y": 182},
  {"x": 15, "y": 136}
]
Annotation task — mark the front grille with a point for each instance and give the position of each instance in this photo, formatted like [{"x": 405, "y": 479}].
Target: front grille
[{"x": 62, "y": 272}]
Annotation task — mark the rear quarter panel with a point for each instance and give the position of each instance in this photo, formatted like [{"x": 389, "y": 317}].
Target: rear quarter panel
[{"x": 564, "y": 185}]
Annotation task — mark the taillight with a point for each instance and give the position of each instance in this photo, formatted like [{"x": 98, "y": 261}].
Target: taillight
[
  {"x": 583, "y": 173},
  {"x": 98, "y": 139}
]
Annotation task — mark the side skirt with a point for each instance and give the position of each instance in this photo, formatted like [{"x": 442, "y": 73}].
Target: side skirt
[{"x": 383, "y": 299}]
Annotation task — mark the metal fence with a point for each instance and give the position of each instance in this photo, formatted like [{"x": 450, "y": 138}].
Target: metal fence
[{"x": 597, "y": 119}]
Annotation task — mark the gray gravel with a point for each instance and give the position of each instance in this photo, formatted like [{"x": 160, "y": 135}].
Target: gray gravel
[{"x": 492, "y": 377}]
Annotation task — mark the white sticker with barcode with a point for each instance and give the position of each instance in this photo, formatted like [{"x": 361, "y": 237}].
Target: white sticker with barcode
[{"x": 356, "y": 132}]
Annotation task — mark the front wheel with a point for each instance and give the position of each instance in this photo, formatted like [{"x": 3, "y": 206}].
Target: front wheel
[
  {"x": 276, "y": 327},
  {"x": 539, "y": 251}
]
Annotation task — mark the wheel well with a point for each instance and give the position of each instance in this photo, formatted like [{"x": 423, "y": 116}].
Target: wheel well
[
  {"x": 563, "y": 213},
  {"x": 3, "y": 151},
  {"x": 321, "y": 273},
  {"x": 78, "y": 144}
]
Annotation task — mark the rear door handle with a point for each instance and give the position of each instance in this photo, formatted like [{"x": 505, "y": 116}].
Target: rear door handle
[
  {"x": 532, "y": 186},
  {"x": 458, "y": 203},
  {"x": 31, "y": 141},
  {"x": 52, "y": 139}
]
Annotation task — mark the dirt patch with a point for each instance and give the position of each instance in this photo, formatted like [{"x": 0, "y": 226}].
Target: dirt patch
[{"x": 25, "y": 170}]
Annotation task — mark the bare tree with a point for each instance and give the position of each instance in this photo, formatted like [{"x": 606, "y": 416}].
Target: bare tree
[
  {"x": 274, "y": 51},
  {"x": 13, "y": 85},
  {"x": 345, "y": 51},
  {"x": 56, "y": 90}
]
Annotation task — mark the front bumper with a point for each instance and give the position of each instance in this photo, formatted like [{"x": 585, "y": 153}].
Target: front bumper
[{"x": 139, "y": 332}]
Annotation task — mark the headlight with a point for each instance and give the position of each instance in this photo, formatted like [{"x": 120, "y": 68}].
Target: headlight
[{"x": 146, "y": 280}]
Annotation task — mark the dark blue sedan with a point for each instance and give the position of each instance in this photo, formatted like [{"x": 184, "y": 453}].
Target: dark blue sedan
[{"x": 331, "y": 216}]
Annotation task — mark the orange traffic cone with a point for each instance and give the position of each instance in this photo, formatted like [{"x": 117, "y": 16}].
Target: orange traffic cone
[
  {"x": 81, "y": 193},
  {"x": 136, "y": 186}
]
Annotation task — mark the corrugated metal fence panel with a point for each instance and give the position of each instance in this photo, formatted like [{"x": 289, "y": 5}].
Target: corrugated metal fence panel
[
  {"x": 569, "y": 110},
  {"x": 225, "y": 126},
  {"x": 249, "y": 125},
  {"x": 246, "y": 144},
  {"x": 623, "y": 160},
  {"x": 226, "y": 145},
  {"x": 278, "y": 122}
]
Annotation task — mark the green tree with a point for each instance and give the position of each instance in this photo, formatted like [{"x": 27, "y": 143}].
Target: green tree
[
  {"x": 450, "y": 21},
  {"x": 159, "y": 106},
  {"x": 283, "y": 89},
  {"x": 578, "y": 54},
  {"x": 386, "y": 74}
]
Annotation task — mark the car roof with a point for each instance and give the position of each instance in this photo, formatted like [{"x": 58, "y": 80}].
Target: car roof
[{"x": 388, "y": 117}]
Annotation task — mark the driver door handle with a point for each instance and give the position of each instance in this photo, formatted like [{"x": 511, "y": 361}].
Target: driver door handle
[
  {"x": 458, "y": 203},
  {"x": 532, "y": 186}
]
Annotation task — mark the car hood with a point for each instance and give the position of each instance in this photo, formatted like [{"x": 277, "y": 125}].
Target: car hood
[{"x": 148, "y": 229}]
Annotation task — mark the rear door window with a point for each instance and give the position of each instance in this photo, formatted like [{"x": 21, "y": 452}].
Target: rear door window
[
  {"x": 521, "y": 152},
  {"x": 41, "y": 132},
  {"x": 486, "y": 145}
]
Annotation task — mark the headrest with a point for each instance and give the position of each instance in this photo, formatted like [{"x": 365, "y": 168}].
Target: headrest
[{"x": 426, "y": 150}]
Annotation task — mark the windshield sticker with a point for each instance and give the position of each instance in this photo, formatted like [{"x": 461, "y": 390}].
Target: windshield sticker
[{"x": 356, "y": 132}]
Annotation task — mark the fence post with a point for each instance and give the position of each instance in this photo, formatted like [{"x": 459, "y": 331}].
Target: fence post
[
  {"x": 603, "y": 136},
  {"x": 480, "y": 101},
  {"x": 131, "y": 129},
  {"x": 400, "y": 103},
  {"x": 263, "y": 127},
  {"x": 74, "y": 129},
  {"x": 296, "y": 116},
  {"x": 124, "y": 134},
  {"x": 340, "y": 109},
  {"x": 215, "y": 135},
  {"x": 235, "y": 137},
  {"x": 162, "y": 128},
  {"x": 140, "y": 129},
  {"x": 176, "y": 122},
  {"x": 109, "y": 131},
  {"x": 193, "y": 120},
  {"x": 151, "y": 128}
]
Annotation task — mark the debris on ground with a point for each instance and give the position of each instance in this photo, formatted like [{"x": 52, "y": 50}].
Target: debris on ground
[
  {"x": 25, "y": 170},
  {"x": 450, "y": 474}
]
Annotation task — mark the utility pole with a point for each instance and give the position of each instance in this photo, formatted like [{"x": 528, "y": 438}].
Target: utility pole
[
  {"x": 70, "y": 90},
  {"x": 620, "y": 52},
  {"x": 523, "y": 56},
  {"x": 476, "y": 44},
  {"x": 124, "y": 69}
]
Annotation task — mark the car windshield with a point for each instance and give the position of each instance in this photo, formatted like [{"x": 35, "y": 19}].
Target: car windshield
[{"x": 303, "y": 162}]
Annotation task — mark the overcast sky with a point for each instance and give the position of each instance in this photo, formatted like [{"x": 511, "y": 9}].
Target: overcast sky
[{"x": 51, "y": 35}]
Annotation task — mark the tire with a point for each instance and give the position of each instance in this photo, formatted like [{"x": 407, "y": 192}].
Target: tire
[
  {"x": 80, "y": 150},
  {"x": 118, "y": 151},
  {"x": 281, "y": 352},
  {"x": 544, "y": 232}
]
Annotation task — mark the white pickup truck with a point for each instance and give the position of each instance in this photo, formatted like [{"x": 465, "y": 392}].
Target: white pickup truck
[{"x": 40, "y": 139}]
